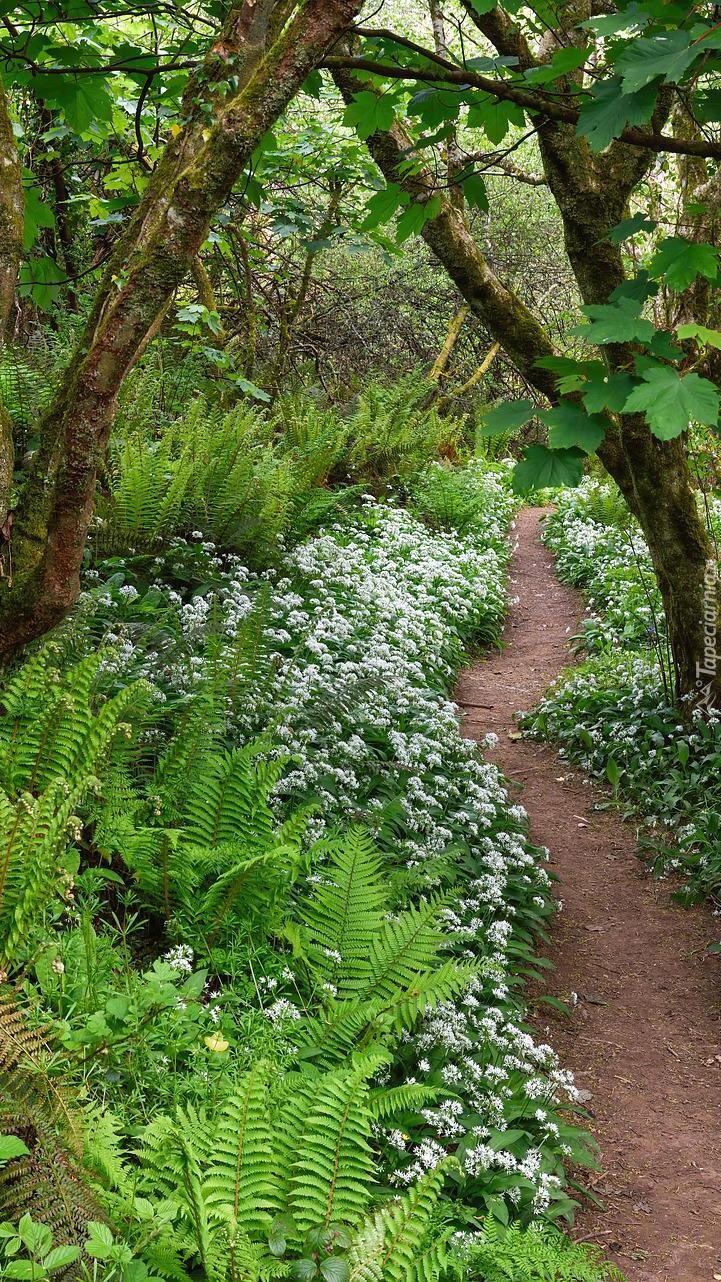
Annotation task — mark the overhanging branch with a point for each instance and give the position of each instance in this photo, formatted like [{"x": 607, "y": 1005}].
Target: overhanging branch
[{"x": 508, "y": 91}]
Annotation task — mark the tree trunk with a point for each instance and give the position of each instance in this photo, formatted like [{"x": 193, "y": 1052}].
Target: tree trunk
[
  {"x": 654, "y": 476},
  {"x": 192, "y": 181}
]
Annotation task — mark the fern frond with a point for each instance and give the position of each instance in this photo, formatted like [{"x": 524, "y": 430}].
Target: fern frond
[
  {"x": 333, "y": 1174},
  {"x": 242, "y": 1173},
  {"x": 394, "y": 1245},
  {"x": 345, "y": 913}
]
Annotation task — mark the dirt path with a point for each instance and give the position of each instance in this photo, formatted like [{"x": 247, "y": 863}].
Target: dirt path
[{"x": 645, "y": 1035}]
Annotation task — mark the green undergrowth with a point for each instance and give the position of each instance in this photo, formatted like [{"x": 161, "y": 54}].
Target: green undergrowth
[
  {"x": 613, "y": 714},
  {"x": 265, "y": 915}
]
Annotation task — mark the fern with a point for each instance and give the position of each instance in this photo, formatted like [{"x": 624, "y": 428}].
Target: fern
[
  {"x": 386, "y": 970},
  {"x": 242, "y": 1173},
  {"x": 51, "y": 728},
  {"x": 48, "y": 1182},
  {"x": 395, "y": 1247},
  {"x": 331, "y": 1179},
  {"x": 344, "y": 914},
  {"x": 536, "y": 1254}
]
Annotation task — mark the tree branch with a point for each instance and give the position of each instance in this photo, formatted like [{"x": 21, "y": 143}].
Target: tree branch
[{"x": 506, "y": 90}]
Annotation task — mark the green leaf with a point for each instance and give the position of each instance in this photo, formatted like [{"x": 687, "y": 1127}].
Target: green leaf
[
  {"x": 37, "y": 214},
  {"x": 707, "y": 337},
  {"x": 495, "y": 118},
  {"x": 60, "y": 1257},
  {"x": 671, "y": 401},
  {"x": 11, "y": 1146},
  {"x": 313, "y": 84},
  {"x": 251, "y": 389},
  {"x": 23, "y": 1269},
  {"x": 638, "y": 288},
  {"x": 382, "y": 206},
  {"x": 41, "y": 278},
  {"x": 681, "y": 261},
  {"x": 36, "y": 1237},
  {"x": 609, "y": 392},
  {"x": 541, "y": 468},
  {"x": 304, "y": 1270},
  {"x": 613, "y": 773},
  {"x": 569, "y": 426},
  {"x": 369, "y": 113},
  {"x": 563, "y": 61},
  {"x": 615, "y": 323},
  {"x": 507, "y": 416},
  {"x": 474, "y": 190},
  {"x": 415, "y": 218},
  {"x": 630, "y": 227},
  {"x": 84, "y": 100},
  {"x": 665, "y": 56},
  {"x": 607, "y": 112},
  {"x": 434, "y": 107},
  {"x": 484, "y": 6},
  {"x": 335, "y": 1269}
]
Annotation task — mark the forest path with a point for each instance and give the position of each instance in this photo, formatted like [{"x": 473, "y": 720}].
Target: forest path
[{"x": 645, "y": 1035}]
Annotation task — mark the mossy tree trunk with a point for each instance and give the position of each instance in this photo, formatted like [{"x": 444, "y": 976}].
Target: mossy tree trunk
[{"x": 252, "y": 72}]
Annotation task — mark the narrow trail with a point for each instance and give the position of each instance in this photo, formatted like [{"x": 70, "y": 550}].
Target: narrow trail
[{"x": 644, "y": 1038}]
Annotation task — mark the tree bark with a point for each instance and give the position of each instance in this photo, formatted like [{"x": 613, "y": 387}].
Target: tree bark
[{"x": 192, "y": 181}]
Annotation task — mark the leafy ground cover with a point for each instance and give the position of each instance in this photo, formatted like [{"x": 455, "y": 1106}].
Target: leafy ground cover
[
  {"x": 614, "y": 714},
  {"x": 266, "y": 915}
]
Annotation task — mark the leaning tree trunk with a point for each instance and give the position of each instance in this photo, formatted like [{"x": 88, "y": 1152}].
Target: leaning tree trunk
[{"x": 193, "y": 180}]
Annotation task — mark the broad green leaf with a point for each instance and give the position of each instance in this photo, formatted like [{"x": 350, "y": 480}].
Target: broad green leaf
[
  {"x": 615, "y": 323},
  {"x": 630, "y": 227},
  {"x": 680, "y": 261},
  {"x": 383, "y": 205},
  {"x": 671, "y": 401},
  {"x": 563, "y": 61},
  {"x": 638, "y": 288},
  {"x": 37, "y": 214},
  {"x": 569, "y": 426},
  {"x": 60, "y": 1257},
  {"x": 415, "y": 218},
  {"x": 84, "y": 100},
  {"x": 507, "y": 417},
  {"x": 250, "y": 389},
  {"x": 11, "y": 1146},
  {"x": 41, "y": 279},
  {"x": 707, "y": 337},
  {"x": 23, "y": 1270},
  {"x": 369, "y": 113},
  {"x": 541, "y": 468},
  {"x": 607, "y": 112},
  {"x": 434, "y": 106},
  {"x": 665, "y": 56},
  {"x": 495, "y": 118},
  {"x": 607, "y": 393},
  {"x": 334, "y": 1269},
  {"x": 630, "y": 17},
  {"x": 474, "y": 190}
]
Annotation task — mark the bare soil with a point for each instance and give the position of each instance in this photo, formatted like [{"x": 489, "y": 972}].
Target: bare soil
[{"x": 644, "y": 1033}]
